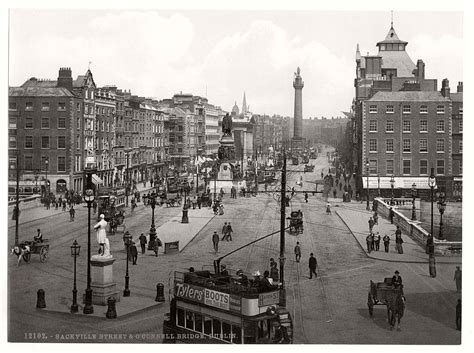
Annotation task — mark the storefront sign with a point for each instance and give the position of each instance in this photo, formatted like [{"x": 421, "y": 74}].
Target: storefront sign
[
  {"x": 400, "y": 182},
  {"x": 208, "y": 297},
  {"x": 265, "y": 299}
]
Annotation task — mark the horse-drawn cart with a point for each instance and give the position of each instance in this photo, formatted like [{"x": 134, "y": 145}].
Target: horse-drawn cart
[
  {"x": 296, "y": 222},
  {"x": 173, "y": 202},
  {"x": 36, "y": 247},
  {"x": 385, "y": 293},
  {"x": 308, "y": 168}
]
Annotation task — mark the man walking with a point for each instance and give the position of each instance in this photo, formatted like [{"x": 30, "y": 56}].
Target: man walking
[
  {"x": 143, "y": 242},
  {"x": 215, "y": 241},
  {"x": 458, "y": 278},
  {"x": 224, "y": 231},
  {"x": 298, "y": 252},
  {"x": 229, "y": 232},
  {"x": 386, "y": 242},
  {"x": 133, "y": 253},
  {"x": 72, "y": 213},
  {"x": 399, "y": 240},
  {"x": 306, "y": 197},
  {"x": 312, "y": 266},
  {"x": 371, "y": 224},
  {"x": 391, "y": 214},
  {"x": 377, "y": 241}
]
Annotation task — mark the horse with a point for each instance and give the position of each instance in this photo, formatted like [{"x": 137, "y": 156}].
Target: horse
[
  {"x": 20, "y": 252},
  {"x": 395, "y": 310}
]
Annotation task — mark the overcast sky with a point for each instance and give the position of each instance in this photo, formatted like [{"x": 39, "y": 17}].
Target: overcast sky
[{"x": 157, "y": 53}]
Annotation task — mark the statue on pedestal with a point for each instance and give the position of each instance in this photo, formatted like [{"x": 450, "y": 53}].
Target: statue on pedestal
[
  {"x": 227, "y": 125},
  {"x": 101, "y": 230}
]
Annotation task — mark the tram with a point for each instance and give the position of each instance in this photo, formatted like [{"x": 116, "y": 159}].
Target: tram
[
  {"x": 266, "y": 176},
  {"x": 110, "y": 201},
  {"x": 220, "y": 308}
]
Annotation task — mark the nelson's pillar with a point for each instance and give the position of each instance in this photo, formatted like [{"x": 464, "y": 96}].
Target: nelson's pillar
[{"x": 298, "y": 84}]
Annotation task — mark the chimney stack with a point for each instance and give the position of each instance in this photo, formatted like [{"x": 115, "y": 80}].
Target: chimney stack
[
  {"x": 65, "y": 78},
  {"x": 459, "y": 90},
  {"x": 420, "y": 66},
  {"x": 445, "y": 91}
]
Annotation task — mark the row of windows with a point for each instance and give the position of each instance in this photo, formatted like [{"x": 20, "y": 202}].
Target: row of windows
[
  {"x": 29, "y": 166},
  {"x": 407, "y": 167},
  {"x": 45, "y": 122},
  {"x": 45, "y": 106},
  {"x": 406, "y": 126},
  {"x": 406, "y": 145},
  {"x": 406, "y": 109},
  {"x": 45, "y": 142}
]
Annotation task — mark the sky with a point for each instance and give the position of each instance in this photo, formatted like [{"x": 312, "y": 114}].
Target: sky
[{"x": 221, "y": 53}]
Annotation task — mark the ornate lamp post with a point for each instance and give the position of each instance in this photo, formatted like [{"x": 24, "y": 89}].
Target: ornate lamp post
[
  {"x": 127, "y": 238},
  {"x": 413, "y": 195},
  {"x": 152, "y": 201},
  {"x": 75, "y": 251},
  {"x": 441, "y": 209},
  {"x": 46, "y": 162},
  {"x": 89, "y": 198},
  {"x": 367, "y": 164},
  {"x": 430, "y": 241},
  {"x": 185, "y": 218},
  {"x": 392, "y": 185}
]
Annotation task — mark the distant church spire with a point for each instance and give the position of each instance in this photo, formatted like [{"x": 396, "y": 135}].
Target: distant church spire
[
  {"x": 244, "y": 105},
  {"x": 391, "y": 22}
]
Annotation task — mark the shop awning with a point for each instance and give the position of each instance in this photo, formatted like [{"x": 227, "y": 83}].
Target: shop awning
[{"x": 96, "y": 180}]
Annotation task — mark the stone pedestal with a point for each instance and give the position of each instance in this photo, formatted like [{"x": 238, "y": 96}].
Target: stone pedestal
[
  {"x": 225, "y": 172},
  {"x": 103, "y": 285}
]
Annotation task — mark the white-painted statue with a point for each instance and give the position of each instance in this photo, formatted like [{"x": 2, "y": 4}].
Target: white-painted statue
[{"x": 101, "y": 233}]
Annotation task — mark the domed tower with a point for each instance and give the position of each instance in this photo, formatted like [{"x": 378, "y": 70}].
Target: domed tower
[{"x": 235, "y": 110}]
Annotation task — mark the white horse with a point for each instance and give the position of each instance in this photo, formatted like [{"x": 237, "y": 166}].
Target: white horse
[{"x": 20, "y": 252}]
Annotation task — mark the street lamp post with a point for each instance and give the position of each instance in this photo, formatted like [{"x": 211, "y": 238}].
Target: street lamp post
[
  {"x": 378, "y": 185},
  {"x": 392, "y": 185},
  {"x": 127, "y": 239},
  {"x": 127, "y": 187},
  {"x": 75, "y": 251},
  {"x": 367, "y": 164},
  {"x": 441, "y": 209},
  {"x": 430, "y": 241},
  {"x": 89, "y": 198},
  {"x": 152, "y": 201},
  {"x": 185, "y": 218},
  {"x": 413, "y": 195},
  {"x": 46, "y": 162}
]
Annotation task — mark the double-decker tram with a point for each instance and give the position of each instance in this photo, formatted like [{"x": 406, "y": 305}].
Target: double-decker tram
[{"x": 225, "y": 308}]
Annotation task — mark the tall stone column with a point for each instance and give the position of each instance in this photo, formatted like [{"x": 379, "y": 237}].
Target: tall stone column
[{"x": 298, "y": 84}]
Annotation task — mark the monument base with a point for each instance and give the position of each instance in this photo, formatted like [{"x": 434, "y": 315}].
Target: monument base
[{"x": 103, "y": 287}]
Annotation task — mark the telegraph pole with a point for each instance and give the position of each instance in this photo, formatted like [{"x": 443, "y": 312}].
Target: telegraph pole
[
  {"x": 17, "y": 203},
  {"x": 282, "y": 231}
]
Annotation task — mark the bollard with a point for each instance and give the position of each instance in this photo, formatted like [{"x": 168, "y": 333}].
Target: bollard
[
  {"x": 160, "y": 293},
  {"x": 40, "y": 301},
  {"x": 111, "y": 312}
]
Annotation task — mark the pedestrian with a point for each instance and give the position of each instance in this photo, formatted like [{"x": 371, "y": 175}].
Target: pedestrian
[
  {"x": 221, "y": 209},
  {"x": 458, "y": 315},
  {"x": 229, "y": 232},
  {"x": 133, "y": 253},
  {"x": 94, "y": 206},
  {"x": 143, "y": 242},
  {"x": 328, "y": 208},
  {"x": 376, "y": 218},
  {"x": 272, "y": 262},
  {"x": 396, "y": 279},
  {"x": 55, "y": 204},
  {"x": 64, "y": 205},
  {"x": 274, "y": 274},
  {"x": 391, "y": 214},
  {"x": 399, "y": 240},
  {"x": 72, "y": 213},
  {"x": 334, "y": 192},
  {"x": 458, "y": 278},
  {"x": 386, "y": 242},
  {"x": 371, "y": 224},
  {"x": 156, "y": 244},
  {"x": 215, "y": 241},
  {"x": 312, "y": 266},
  {"x": 369, "y": 240},
  {"x": 224, "y": 231},
  {"x": 199, "y": 201},
  {"x": 297, "y": 251},
  {"x": 340, "y": 186},
  {"x": 377, "y": 241}
]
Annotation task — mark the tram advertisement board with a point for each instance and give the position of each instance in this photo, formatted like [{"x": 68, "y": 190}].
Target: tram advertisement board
[
  {"x": 208, "y": 297},
  {"x": 265, "y": 299}
]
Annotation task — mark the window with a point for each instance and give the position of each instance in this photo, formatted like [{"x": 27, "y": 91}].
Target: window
[
  {"x": 78, "y": 107},
  {"x": 45, "y": 123},
  {"x": 12, "y": 142},
  {"x": 44, "y": 141},
  {"x": 389, "y": 144},
  {"x": 440, "y": 145},
  {"x": 400, "y": 46},
  {"x": 389, "y": 109},
  {"x": 390, "y": 167},
  {"x": 406, "y": 109},
  {"x": 61, "y": 106},
  {"x": 61, "y": 123},
  {"x": 460, "y": 125},
  {"x": 373, "y": 125},
  {"x": 180, "y": 313},
  {"x": 61, "y": 142},
  {"x": 423, "y": 145},
  {"x": 440, "y": 109},
  {"x": 372, "y": 109},
  {"x": 406, "y": 126},
  {"x": 61, "y": 164},
  {"x": 180, "y": 128},
  {"x": 423, "y": 167},
  {"x": 373, "y": 166},
  {"x": 389, "y": 126},
  {"x": 45, "y": 106},
  {"x": 216, "y": 329},
  {"x": 12, "y": 122},
  {"x": 180, "y": 138},
  {"x": 423, "y": 125},
  {"x": 406, "y": 167},
  {"x": 440, "y": 126},
  {"x": 29, "y": 106},
  {"x": 28, "y": 141},
  {"x": 424, "y": 109},
  {"x": 382, "y": 47},
  {"x": 28, "y": 162},
  {"x": 460, "y": 146},
  {"x": 11, "y": 105},
  {"x": 440, "y": 166},
  {"x": 372, "y": 145},
  {"x": 460, "y": 111},
  {"x": 406, "y": 145}
]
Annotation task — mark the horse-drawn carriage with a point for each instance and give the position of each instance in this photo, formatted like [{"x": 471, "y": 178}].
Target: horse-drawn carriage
[
  {"x": 296, "y": 222},
  {"x": 385, "y": 293},
  {"x": 308, "y": 168},
  {"x": 35, "y": 247},
  {"x": 206, "y": 200},
  {"x": 173, "y": 202},
  {"x": 117, "y": 220}
]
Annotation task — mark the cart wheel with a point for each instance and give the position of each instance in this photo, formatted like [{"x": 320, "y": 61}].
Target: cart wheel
[
  {"x": 27, "y": 257},
  {"x": 43, "y": 254},
  {"x": 370, "y": 304}
]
